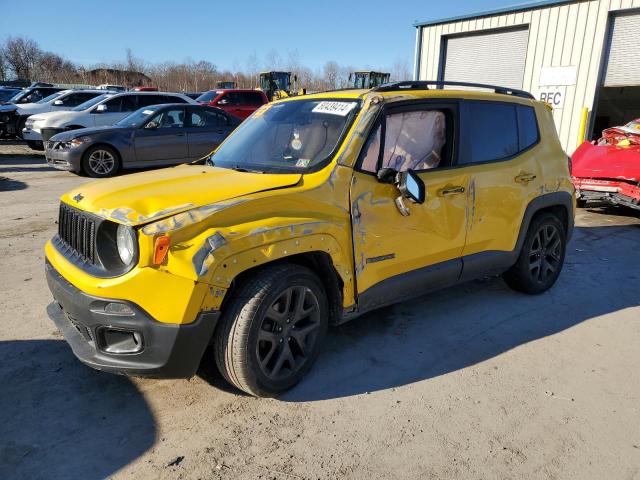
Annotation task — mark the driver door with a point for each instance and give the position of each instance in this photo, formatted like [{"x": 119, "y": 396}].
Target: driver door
[
  {"x": 163, "y": 138},
  {"x": 400, "y": 256}
]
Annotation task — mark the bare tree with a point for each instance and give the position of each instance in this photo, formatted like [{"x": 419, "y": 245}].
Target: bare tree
[
  {"x": 4, "y": 68},
  {"x": 330, "y": 74},
  {"x": 401, "y": 70},
  {"x": 273, "y": 60},
  {"x": 21, "y": 55}
]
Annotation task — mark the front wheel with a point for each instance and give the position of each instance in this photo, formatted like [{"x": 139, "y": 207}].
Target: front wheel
[
  {"x": 100, "y": 161},
  {"x": 271, "y": 332},
  {"x": 541, "y": 258},
  {"x": 35, "y": 145}
]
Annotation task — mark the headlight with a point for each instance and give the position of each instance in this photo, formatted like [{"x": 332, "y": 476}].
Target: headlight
[
  {"x": 126, "y": 242},
  {"x": 76, "y": 142}
]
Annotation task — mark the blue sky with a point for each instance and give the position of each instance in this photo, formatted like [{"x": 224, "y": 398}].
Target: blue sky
[{"x": 369, "y": 34}]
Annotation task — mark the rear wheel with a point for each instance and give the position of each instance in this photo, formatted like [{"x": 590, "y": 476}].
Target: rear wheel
[
  {"x": 100, "y": 161},
  {"x": 271, "y": 332},
  {"x": 541, "y": 258},
  {"x": 581, "y": 203}
]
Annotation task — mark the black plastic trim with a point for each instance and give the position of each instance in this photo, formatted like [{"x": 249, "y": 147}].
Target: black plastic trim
[{"x": 169, "y": 350}]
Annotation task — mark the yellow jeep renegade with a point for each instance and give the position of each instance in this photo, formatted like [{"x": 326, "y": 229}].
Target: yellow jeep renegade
[{"x": 315, "y": 210}]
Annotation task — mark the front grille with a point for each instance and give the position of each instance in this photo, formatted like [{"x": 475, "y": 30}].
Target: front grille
[{"x": 77, "y": 231}]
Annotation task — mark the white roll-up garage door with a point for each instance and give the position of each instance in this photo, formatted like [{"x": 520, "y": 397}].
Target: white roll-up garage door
[
  {"x": 623, "y": 63},
  {"x": 496, "y": 57}
]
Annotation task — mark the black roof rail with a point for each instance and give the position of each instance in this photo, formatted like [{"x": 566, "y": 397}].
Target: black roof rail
[{"x": 425, "y": 84}]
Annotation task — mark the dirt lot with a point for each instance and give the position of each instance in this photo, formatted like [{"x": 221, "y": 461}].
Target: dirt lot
[{"x": 472, "y": 382}]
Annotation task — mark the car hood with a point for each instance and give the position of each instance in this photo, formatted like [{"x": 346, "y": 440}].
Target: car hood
[
  {"x": 8, "y": 107},
  {"x": 82, "y": 132},
  {"x": 52, "y": 119},
  {"x": 148, "y": 196},
  {"x": 31, "y": 108},
  {"x": 606, "y": 161}
]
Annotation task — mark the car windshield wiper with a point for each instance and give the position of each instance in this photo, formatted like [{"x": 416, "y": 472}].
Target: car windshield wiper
[{"x": 238, "y": 168}]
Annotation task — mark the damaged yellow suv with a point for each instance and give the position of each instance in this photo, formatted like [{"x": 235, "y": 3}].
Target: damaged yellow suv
[{"x": 315, "y": 210}]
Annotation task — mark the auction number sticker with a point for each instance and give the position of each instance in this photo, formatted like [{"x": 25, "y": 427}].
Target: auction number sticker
[{"x": 334, "y": 108}]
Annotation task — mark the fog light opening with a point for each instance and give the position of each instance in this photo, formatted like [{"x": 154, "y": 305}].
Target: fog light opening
[{"x": 112, "y": 340}]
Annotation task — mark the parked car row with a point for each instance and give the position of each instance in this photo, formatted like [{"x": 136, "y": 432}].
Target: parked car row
[{"x": 97, "y": 132}]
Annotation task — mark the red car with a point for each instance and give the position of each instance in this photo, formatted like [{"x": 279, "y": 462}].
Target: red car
[
  {"x": 240, "y": 103},
  {"x": 609, "y": 169}
]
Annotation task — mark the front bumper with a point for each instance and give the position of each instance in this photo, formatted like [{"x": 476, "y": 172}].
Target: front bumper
[
  {"x": 97, "y": 338},
  {"x": 31, "y": 135},
  {"x": 67, "y": 159}
]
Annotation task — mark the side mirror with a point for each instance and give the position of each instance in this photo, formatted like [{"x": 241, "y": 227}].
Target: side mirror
[
  {"x": 101, "y": 108},
  {"x": 411, "y": 186},
  {"x": 58, "y": 102}
]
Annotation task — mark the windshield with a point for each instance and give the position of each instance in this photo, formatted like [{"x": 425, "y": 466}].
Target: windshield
[
  {"x": 19, "y": 95},
  {"x": 91, "y": 103},
  {"x": 274, "y": 81},
  {"x": 138, "y": 117},
  {"x": 295, "y": 136},
  {"x": 50, "y": 97},
  {"x": 207, "y": 96},
  {"x": 8, "y": 94}
]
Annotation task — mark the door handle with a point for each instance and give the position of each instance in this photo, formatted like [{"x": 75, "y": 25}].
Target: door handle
[
  {"x": 447, "y": 192},
  {"x": 525, "y": 177},
  {"x": 180, "y": 134}
]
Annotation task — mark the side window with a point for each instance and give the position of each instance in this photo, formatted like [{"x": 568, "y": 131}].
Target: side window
[
  {"x": 114, "y": 105},
  {"x": 207, "y": 119},
  {"x": 491, "y": 130},
  {"x": 148, "y": 100},
  {"x": 129, "y": 103},
  {"x": 527, "y": 126},
  {"x": 411, "y": 140},
  {"x": 252, "y": 98},
  {"x": 173, "y": 118},
  {"x": 76, "y": 99},
  {"x": 172, "y": 99},
  {"x": 371, "y": 151},
  {"x": 233, "y": 98}
]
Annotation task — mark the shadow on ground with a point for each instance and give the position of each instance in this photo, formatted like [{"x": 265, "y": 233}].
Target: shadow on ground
[
  {"x": 60, "y": 419},
  {"x": 23, "y": 163},
  {"x": 465, "y": 325},
  {"x": 9, "y": 185}
]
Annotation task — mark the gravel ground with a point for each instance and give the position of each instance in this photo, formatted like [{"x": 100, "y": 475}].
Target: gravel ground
[{"x": 472, "y": 382}]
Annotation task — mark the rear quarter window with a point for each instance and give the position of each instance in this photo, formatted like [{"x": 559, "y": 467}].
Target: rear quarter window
[{"x": 496, "y": 131}]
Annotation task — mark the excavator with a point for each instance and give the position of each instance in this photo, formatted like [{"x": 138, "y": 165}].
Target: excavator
[
  {"x": 277, "y": 85},
  {"x": 368, "y": 79},
  {"x": 226, "y": 85}
]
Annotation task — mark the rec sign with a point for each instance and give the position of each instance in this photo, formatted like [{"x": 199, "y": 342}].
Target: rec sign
[{"x": 554, "y": 96}]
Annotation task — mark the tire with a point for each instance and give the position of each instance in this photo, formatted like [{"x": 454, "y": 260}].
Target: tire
[
  {"x": 35, "y": 145},
  {"x": 100, "y": 161},
  {"x": 541, "y": 258},
  {"x": 20, "y": 123},
  {"x": 261, "y": 346},
  {"x": 581, "y": 203}
]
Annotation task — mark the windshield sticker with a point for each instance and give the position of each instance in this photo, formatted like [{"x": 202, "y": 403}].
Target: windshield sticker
[
  {"x": 334, "y": 108},
  {"x": 303, "y": 162},
  {"x": 147, "y": 112}
]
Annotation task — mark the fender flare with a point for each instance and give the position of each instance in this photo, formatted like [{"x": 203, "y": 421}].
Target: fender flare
[{"x": 554, "y": 199}]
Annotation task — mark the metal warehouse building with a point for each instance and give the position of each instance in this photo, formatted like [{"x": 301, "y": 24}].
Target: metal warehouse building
[{"x": 573, "y": 54}]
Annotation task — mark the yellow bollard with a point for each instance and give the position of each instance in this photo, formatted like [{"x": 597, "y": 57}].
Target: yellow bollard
[{"x": 583, "y": 125}]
